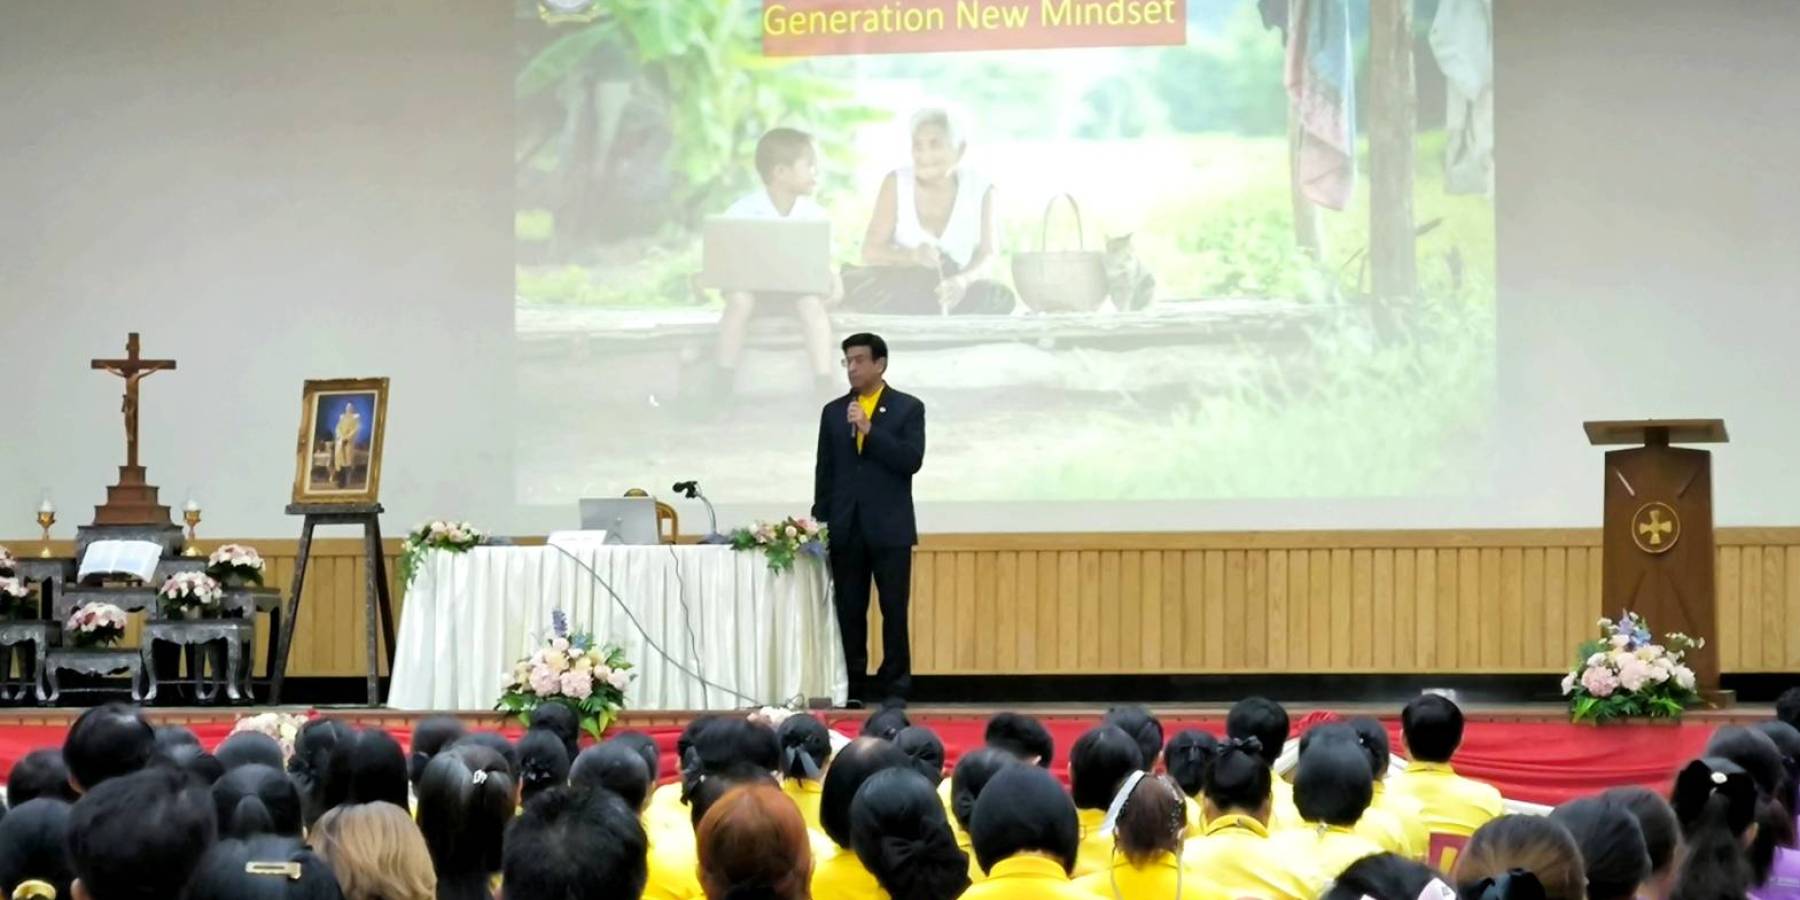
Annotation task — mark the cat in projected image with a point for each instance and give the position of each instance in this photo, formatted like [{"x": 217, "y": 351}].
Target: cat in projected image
[{"x": 1130, "y": 284}]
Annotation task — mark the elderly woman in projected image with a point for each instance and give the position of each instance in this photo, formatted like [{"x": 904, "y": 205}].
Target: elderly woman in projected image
[
  {"x": 343, "y": 444},
  {"x": 930, "y": 246}
]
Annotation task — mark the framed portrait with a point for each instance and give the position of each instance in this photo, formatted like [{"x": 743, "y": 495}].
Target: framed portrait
[{"x": 338, "y": 459}]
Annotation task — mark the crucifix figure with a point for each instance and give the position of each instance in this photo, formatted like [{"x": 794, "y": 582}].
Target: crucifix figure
[{"x": 133, "y": 369}]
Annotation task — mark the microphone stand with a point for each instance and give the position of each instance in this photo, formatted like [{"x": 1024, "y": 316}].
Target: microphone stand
[{"x": 712, "y": 535}]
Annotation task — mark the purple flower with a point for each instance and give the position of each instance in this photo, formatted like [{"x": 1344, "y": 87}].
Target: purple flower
[{"x": 559, "y": 623}]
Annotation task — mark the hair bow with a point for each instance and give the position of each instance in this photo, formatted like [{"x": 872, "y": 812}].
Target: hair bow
[
  {"x": 794, "y": 753},
  {"x": 1703, "y": 778},
  {"x": 1250, "y": 745}
]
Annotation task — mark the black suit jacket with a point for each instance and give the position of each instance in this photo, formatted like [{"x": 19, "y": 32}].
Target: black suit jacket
[{"x": 871, "y": 490}]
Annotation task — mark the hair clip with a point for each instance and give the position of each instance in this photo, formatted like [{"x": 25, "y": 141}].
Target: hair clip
[
  {"x": 1719, "y": 778},
  {"x": 288, "y": 870},
  {"x": 33, "y": 889},
  {"x": 479, "y": 776}
]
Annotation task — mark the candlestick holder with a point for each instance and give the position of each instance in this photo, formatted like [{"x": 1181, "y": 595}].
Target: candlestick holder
[
  {"x": 191, "y": 516},
  {"x": 45, "y": 519}
]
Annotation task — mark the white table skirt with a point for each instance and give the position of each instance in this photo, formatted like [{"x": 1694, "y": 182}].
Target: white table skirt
[{"x": 719, "y": 614}]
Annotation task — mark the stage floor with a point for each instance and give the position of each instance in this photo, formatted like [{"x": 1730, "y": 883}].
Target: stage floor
[{"x": 1530, "y": 751}]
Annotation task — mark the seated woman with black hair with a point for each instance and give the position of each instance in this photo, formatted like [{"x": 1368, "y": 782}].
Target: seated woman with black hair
[
  {"x": 926, "y": 751},
  {"x": 543, "y": 763},
  {"x": 1267, "y": 722},
  {"x": 467, "y": 798},
  {"x": 1387, "y": 877},
  {"x": 838, "y": 874},
  {"x": 1099, "y": 763},
  {"x": 256, "y": 800},
  {"x": 1717, "y": 803},
  {"x": 1331, "y": 791},
  {"x": 1233, "y": 854},
  {"x": 805, "y": 752},
  {"x": 33, "y": 857},
  {"x": 1393, "y": 818},
  {"x": 1662, "y": 835},
  {"x": 1187, "y": 757},
  {"x": 667, "y": 811},
  {"x": 40, "y": 773},
  {"x": 429, "y": 737},
  {"x": 1517, "y": 857},
  {"x": 899, "y": 831},
  {"x": 966, "y": 782},
  {"x": 1147, "y": 827},
  {"x": 262, "y": 868},
  {"x": 1613, "y": 854},
  {"x": 614, "y": 767},
  {"x": 1025, "y": 836},
  {"x": 1759, "y": 757},
  {"x": 1379, "y": 826}
]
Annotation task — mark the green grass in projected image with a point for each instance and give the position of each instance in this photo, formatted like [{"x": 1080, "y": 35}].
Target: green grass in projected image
[{"x": 1261, "y": 370}]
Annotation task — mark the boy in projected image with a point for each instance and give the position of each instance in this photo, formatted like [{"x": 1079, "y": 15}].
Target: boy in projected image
[{"x": 788, "y": 164}]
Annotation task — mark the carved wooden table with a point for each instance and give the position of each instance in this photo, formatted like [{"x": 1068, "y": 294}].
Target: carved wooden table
[
  {"x": 33, "y": 640},
  {"x": 220, "y": 642},
  {"x": 94, "y": 661}
]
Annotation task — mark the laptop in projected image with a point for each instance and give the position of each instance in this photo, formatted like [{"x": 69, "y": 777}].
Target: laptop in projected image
[
  {"x": 791, "y": 256},
  {"x": 626, "y": 520}
]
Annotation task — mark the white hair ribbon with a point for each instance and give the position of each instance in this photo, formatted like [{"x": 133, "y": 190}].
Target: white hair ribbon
[{"x": 1118, "y": 801}]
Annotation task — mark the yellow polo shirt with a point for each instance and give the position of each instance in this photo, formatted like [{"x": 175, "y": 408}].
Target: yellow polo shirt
[
  {"x": 1330, "y": 848},
  {"x": 1392, "y": 821},
  {"x": 665, "y": 811},
  {"x": 868, "y": 407},
  {"x": 840, "y": 875},
  {"x": 1027, "y": 876},
  {"x": 672, "y": 869},
  {"x": 1156, "y": 880},
  {"x": 966, "y": 845},
  {"x": 1096, "y": 849},
  {"x": 1282, "y": 811},
  {"x": 1234, "y": 857},
  {"x": 805, "y": 793},
  {"x": 1448, "y": 803}
]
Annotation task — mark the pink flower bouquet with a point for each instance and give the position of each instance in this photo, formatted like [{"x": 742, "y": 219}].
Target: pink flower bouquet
[
  {"x": 573, "y": 670},
  {"x": 1624, "y": 674},
  {"x": 95, "y": 625},
  {"x": 785, "y": 541}
]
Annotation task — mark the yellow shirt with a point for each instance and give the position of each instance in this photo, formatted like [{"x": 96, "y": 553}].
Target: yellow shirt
[
  {"x": 840, "y": 875},
  {"x": 805, "y": 793},
  {"x": 1027, "y": 876},
  {"x": 1096, "y": 849},
  {"x": 1234, "y": 857},
  {"x": 868, "y": 407},
  {"x": 1449, "y": 804},
  {"x": 1330, "y": 848},
  {"x": 963, "y": 843},
  {"x": 1155, "y": 881},
  {"x": 672, "y": 868},
  {"x": 1392, "y": 821},
  {"x": 1196, "y": 816},
  {"x": 1282, "y": 811},
  {"x": 665, "y": 812}
]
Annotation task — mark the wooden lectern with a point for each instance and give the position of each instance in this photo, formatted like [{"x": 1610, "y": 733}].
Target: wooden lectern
[{"x": 1657, "y": 537}]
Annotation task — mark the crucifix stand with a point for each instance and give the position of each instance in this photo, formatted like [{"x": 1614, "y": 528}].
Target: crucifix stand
[
  {"x": 133, "y": 500},
  {"x": 1657, "y": 534},
  {"x": 378, "y": 608}
]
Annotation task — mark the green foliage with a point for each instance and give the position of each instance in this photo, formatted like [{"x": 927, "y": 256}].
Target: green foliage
[
  {"x": 1228, "y": 83},
  {"x": 783, "y": 542},
  {"x": 536, "y": 226}
]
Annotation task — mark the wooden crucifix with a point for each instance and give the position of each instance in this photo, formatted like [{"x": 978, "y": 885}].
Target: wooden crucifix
[{"x": 133, "y": 369}]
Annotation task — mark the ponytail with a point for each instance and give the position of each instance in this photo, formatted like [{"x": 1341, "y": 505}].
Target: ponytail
[
  {"x": 1187, "y": 757},
  {"x": 805, "y": 747},
  {"x": 1715, "y": 801},
  {"x": 248, "y": 819},
  {"x": 1239, "y": 780}
]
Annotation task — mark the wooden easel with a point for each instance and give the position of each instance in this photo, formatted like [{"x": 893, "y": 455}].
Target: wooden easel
[{"x": 376, "y": 599}]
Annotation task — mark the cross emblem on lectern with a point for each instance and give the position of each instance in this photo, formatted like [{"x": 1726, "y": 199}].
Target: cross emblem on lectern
[{"x": 1655, "y": 527}]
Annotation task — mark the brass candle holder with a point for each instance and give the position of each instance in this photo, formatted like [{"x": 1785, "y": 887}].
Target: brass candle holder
[
  {"x": 191, "y": 515},
  {"x": 45, "y": 519}
]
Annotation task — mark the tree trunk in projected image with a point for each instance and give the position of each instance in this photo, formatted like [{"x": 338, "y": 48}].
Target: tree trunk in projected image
[{"x": 1393, "y": 121}]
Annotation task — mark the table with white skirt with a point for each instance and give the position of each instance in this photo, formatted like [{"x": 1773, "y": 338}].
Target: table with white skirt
[{"x": 704, "y": 626}]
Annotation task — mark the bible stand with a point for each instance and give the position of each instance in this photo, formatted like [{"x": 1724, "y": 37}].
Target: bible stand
[{"x": 378, "y": 608}]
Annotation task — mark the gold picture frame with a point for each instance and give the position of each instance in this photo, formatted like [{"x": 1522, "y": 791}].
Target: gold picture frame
[{"x": 337, "y": 458}]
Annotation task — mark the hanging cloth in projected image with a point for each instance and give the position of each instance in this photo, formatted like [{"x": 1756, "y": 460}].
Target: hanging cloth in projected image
[
  {"x": 1462, "y": 39},
  {"x": 1321, "y": 86}
]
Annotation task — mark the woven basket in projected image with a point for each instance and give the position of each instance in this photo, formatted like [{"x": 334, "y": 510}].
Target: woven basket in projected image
[{"x": 1060, "y": 280}]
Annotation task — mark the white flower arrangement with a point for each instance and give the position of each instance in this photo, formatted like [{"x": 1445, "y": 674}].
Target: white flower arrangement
[
  {"x": 1624, "y": 674},
  {"x": 95, "y": 625},
  {"x": 283, "y": 727},
  {"x": 8, "y": 562},
  {"x": 570, "y": 669},
  {"x": 236, "y": 563},
  {"x": 191, "y": 590},
  {"x": 785, "y": 541},
  {"x": 13, "y": 594},
  {"x": 438, "y": 534}
]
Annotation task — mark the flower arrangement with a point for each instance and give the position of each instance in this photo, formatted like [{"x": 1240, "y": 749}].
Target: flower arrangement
[
  {"x": 236, "y": 565},
  {"x": 95, "y": 625},
  {"x": 13, "y": 595},
  {"x": 1623, "y": 674},
  {"x": 785, "y": 541},
  {"x": 191, "y": 591},
  {"x": 9, "y": 564},
  {"x": 283, "y": 727},
  {"x": 456, "y": 537},
  {"x": 573, "y": 670}
]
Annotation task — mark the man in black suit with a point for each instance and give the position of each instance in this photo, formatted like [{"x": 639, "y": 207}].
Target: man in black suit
[{"x": 871, "y": 443}]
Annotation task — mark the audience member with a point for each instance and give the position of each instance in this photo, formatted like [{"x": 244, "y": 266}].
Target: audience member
[
  {"x": 1026, "y": 835},
  {"x": 107, "y": 742},
  {"x": 615, "y": 767},
  {"x": 499, "y": 744},
  {"x": 752, "y": 843},
  {"x": 466, "y": 800},
  {"x": 310, "y": 765},
  {"x": 1379, "y": 826},
  {"x": 1388, "y": 877},
  {"x": 1509, "y": 853},
  {"x": 1023, "y": 737},
  {"x": 805, "y": 751},
  {"x": 1448, "y": 803},
  {"x": 1148, "y": 830},
  {"x": 899, "y": 831},
  {"x": 1233, "y": 850},
  {"x": 262, "y": 868},
  {"x": 1662, "y": 835},
  {"x": 190, "y": 760},
  {"x": 169, "y": 737},
  {"x": 1143, "y": 727},
  {"x": 543, "y": 763},
  {"x": 572, "y": 844},
  {"x": 429, "y": 737},
  {"x": 139, "y": 836},
  {"x": 886, "y": 722},
  {"x": 668, "y": 809},
  {"x": 367, "y": 767},
  {"x": 32, "y": 850},
  {"x": 645, "y": 747},
  {"x": 1716, "y": 802},
  {"x": 1758, "y": 756},
  {"x": 255, "y": 800},
  {"x": 1394, "y": 819},
  {"x": 840, "y": 875},
  {"x": 926, "y": 750},
  {"x": 40, "y": 773},
  {"x": 971, "y": 775},
  {"x": 1332, "y": 790},
  {"x": 560, "y": 721},
  {"x": 1613, "y": 854},
  {"x": 1267, "y": 722},
  {"x": 1099, "y": 763},
  {"x": 247, "y": 748},
  {"x": 1186, "y": 757},
  {"x": 376, "y": 851}
]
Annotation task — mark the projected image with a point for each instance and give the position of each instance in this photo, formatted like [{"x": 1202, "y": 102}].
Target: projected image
[{"x": 1220, "y": 249}]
